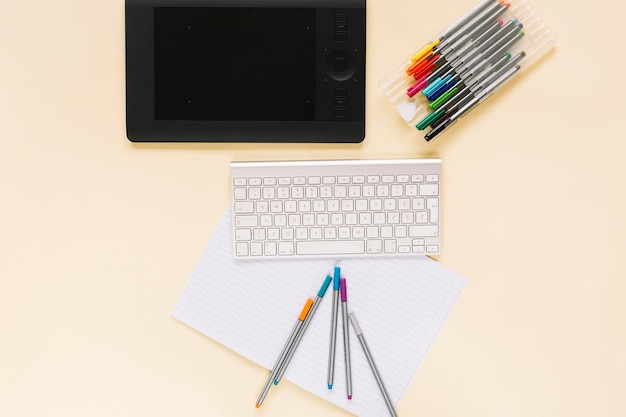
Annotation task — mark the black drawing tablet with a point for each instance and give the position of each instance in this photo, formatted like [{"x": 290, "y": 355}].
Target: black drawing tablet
[{"x": 245, "y": 71}]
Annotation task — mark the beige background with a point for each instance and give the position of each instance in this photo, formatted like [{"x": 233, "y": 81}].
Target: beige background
[{"x": 98, "y": 235}]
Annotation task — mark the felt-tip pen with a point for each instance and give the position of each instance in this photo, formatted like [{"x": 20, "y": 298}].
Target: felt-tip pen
[
  {"x": 346, "y": 337},
  {"x": 333, "y": 328},
  {"x": 283, "y": 354},
  {"x": 370, "y": 360},
  {"x": 482, "y": 96},
  {"x": 453, "y": 28},
  {"x": 305, "y": 325}
]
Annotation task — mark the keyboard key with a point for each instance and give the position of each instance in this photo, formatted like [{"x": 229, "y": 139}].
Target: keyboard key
[
  {"x": 429, "y": 189},
  {"x": 325, "y": 247},
  {"x": 310, "y": 192},
  {"x": 240, "y": 194},
  {"x": 269, "y": 193},
  {"x": 283, "y": 192},
  {"x": 423, "y": 231},
  {"x": 270, "y": 249},
  {"x": 297, "y": 192},
  {"x": 433, "y": 208},
  {"x": 256, "y": 249},
  {"x": 293, "y": 220},
  {"x": 254, "y": 193},
  {"x": 386, "y": 231},
  {"x": 358, "y": 232},
  {"x": 290, "y": 206},
  {"x": 244, "y": 207},
  {"x": 411, "y": 190},
  {"x": 421, "y": 217},
  {"x": 287, "y": 233},
  {"x": 418, "y": 204},
  {"x": 262, "y": 207},
  {"x": 404, "y": 249},
  {"x": 243, "y": 234},
  {"x": 285, "y": 248},
  {"x": 247, "y": 221},
  {"x": 375, "y": 246},
  {"x": 242, "y": 249}
]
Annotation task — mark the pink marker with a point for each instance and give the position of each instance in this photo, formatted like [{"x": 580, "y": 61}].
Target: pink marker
[{"x": 417, "y": 87}]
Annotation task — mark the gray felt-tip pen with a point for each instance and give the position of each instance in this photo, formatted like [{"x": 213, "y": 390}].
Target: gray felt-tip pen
[
  {"x": 346, "y": 336},
  {"x": 333, "y": 328},
  {"x": 379, "y": 381}
]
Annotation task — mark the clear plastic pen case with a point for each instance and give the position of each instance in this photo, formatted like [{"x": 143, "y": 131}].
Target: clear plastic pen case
[{"x": 468, "y": 61}]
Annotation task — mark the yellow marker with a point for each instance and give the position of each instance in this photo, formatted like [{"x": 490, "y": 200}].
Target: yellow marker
[{"x": 424, "y": 51}]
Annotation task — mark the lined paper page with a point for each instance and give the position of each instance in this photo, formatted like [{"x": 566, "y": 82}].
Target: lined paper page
[{"x": 251, "y": 307}]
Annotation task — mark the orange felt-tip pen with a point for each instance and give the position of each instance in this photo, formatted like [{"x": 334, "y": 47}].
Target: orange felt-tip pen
[{"x": 285, "y": 351}]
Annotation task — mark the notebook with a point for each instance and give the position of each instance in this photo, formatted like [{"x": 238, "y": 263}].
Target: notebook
[{"x": 251, "y": 306}]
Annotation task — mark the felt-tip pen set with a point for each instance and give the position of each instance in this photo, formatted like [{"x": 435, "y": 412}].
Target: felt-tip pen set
[
  {"x": 340, "y": 297},
  {"x": 466, "y": 63}
]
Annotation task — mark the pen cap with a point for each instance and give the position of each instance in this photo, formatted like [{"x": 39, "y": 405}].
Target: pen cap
[
  {"x": 336, "y": 277},
  {"x": 355, "y": 324},
  {"x": 343, "y": 291},
  {"x": 305, "y": 309},
  {"x": 324, "y": 286}
]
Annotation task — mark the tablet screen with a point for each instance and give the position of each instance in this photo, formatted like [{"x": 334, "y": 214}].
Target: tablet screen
[{"x": 234, "y": 63}]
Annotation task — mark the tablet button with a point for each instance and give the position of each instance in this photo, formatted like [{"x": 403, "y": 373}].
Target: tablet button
[{"x": 340, "y": 65}]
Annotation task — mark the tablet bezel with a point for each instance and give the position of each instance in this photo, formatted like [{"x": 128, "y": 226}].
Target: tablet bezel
[{"x": 140, "y": 83}]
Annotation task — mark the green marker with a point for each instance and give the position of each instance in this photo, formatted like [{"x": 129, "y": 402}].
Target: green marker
[{"x": 443, "y": 98}]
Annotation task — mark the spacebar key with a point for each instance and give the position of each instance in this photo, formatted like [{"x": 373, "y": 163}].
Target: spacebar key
[{"x": 335, "y": 247}]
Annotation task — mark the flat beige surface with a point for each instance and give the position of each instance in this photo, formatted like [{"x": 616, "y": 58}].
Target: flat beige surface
[{"x": 98, "y": 236}]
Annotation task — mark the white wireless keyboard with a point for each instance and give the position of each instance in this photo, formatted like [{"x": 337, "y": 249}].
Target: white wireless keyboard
[{"x": 336, "y": 208}]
